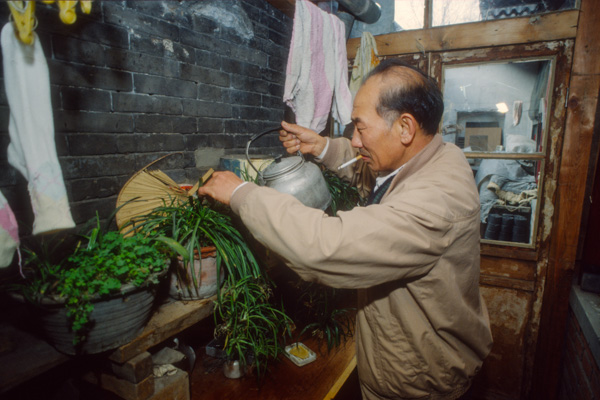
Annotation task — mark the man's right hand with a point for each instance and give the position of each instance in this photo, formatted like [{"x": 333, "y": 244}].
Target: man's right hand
[{"x": 297, "y": 138}]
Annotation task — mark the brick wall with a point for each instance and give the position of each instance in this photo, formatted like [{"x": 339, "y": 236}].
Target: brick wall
[
  {"x": 136, "y": 80},
  {"x": 580, "y": 376}
]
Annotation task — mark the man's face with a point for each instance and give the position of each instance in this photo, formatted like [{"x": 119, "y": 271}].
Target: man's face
[{"x": 378, "y": 143}]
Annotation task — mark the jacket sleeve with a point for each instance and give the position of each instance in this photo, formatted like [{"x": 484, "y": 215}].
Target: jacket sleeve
[{"x": 357, "y": 249}]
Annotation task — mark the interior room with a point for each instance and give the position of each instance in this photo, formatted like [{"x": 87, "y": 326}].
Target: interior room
[{"x": 119, "y": 119}]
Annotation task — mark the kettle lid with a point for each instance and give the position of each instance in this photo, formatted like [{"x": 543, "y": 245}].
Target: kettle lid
[{"x": 282, "y": 166}]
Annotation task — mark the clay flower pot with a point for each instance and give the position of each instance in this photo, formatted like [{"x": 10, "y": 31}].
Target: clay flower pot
[{"x": 197, "y": 280}]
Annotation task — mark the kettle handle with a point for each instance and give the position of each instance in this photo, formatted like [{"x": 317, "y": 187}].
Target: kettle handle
[{"x": 258, "y": 135}]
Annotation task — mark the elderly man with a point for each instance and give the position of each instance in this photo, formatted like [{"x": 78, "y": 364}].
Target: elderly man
[{"x": 412, "y": 252}]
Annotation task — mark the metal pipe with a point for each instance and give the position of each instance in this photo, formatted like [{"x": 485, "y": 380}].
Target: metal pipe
[
  {"x": 365, "y": 10},
  {"x": 348, "y": 20}
]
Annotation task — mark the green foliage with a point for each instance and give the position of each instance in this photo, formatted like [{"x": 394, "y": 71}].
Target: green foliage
[
  {"x": 187, "y": 228},
  {"x": 319, "y": 310},
  {"x": 344, "y": 197},
  {"x": 251, "y": 325},
  {"x": 100, "y": 264}
]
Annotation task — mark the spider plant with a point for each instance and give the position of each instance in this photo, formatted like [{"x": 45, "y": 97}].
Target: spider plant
[
  {"x": 189, "y": 227},
  {"x": 319, "y": 311},
  {"x": 251, "y": 326},
  {"x": 343, "y": 196}
]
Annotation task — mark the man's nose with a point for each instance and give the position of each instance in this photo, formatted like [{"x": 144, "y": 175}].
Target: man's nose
[{"x": 356, "y": 142}]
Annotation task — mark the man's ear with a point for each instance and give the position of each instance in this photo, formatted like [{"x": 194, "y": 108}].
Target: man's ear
[{"x": 407, "y": 128}]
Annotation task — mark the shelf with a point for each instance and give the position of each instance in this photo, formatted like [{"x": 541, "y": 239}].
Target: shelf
[{"x": 321, "y": 379}]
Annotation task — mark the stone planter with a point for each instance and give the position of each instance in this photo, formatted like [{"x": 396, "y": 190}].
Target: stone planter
[
  {"x": 116, "y": 320},
  {"x": 200, "y": 283}
]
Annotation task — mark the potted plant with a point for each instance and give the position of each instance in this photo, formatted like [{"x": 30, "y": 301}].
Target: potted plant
[
  {"x": 100, "y": 295},
  {"x": 208, "y": 244},
  {"x": 250, "y": 325}
]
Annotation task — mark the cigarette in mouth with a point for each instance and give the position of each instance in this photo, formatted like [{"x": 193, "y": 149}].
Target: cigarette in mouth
[{"x": 350, "y": 162}]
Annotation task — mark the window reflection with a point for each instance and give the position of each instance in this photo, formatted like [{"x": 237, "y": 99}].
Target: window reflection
[
  {"x": 496, "y": 112},
  {"x": 508, "y": 191},
  {"x": 496, "y": 107}
]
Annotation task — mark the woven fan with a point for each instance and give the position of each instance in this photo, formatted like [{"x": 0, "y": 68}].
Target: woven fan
[{"x": 148, "y": 189}]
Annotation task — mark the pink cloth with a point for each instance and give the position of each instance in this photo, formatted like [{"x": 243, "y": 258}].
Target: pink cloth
[{"x": 317, "y": 70}]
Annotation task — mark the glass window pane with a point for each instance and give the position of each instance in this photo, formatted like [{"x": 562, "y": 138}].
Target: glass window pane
[
  {"x": 497, "y": 107},
  {"x": 447, "y": 12},
  {"x": 508, "y": 191},
  {"x": 409, "y": 14}
]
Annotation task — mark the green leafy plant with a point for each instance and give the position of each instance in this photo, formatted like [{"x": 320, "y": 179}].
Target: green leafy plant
[
  {"x": 252, "y": 327},
  {"x": 344, "y": 197},
  {"x": 101, "y": 263},
  {"x": 187, "y": 228},
  {"x": 319, "y": 310}
]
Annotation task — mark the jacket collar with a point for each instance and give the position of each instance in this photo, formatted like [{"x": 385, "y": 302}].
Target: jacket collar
[{"x": 417, "y": 162}]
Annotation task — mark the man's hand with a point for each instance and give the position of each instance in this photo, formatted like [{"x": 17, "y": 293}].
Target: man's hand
[
  {"x": 296, "y": 138},
  {"x": 221, "y": 186}
]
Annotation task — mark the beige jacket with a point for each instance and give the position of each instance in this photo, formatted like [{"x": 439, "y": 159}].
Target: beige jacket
[{"x": 422, "y": 326}]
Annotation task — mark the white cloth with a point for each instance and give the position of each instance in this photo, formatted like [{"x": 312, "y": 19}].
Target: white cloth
[
  {"x": 32, "y": 150},
  {"x": 9, "y": 233},
  {"x": 366, "y": 59},
  {"x": 317, "y": 70}
]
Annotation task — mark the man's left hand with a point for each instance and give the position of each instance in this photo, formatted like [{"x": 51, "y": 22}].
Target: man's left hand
[{"x": 221, "y": 186}]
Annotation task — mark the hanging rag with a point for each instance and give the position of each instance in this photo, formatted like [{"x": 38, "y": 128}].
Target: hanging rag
[
  {"x": 317, "y": 69},
  {"x": 32, "y": 150},
  {"x": 366, "y": 59},
  {"x": 9, "y": 233}
]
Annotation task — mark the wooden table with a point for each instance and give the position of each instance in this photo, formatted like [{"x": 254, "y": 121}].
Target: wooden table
[{"x": 321, "y": 379}]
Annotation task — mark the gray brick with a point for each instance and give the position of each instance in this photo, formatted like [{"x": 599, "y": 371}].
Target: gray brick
[
  {"x": 184, "y": 125},
  {"x": 208, "y": 59},
  {"x": 143, "y": 63},
  {"x": 272, "y": 101},
  {"x": 251, "y": 127},
  {"x": 125, "y": 102},
  {"x": 251, "y": 113},
  {"x": 144, "y": 143},
  {"x": 168, "y": 10},
  {"x": 71, "y": 121},
  {"x": 84, "y": 99},
  {"x": 210, "y": 125},
  {"x": 205, "y": 42},
  {"x": 193, "y": 142},
  {"x": 83, "y": 211},
  {"x": 170, "y": 87},
  {"x": 221, "y": 141},
  {"x": 86, "y": 189},
  {"x": 241, "y": 82},
  {"x": 201, "y": 24},
  {"x": 214, "y": 93},
  {"x": 91, "y": 144},
  {"x": 8, "y": 177},
  {"x": 241, "y": 68},
  {"x": 164, "y": 124},
  {"x": 240, "y": 97},
  {"x": 161, "y": 47},
  {"x": 98, "y": 166},
  {"x": 89, "y": 77},
  {"x": 204, "y": 75},
  {"x": 172, "y": 160},
  {"x": 73, "y": 50},
  {"x": 140, "y": 24},
  {"x": 206, "y": 109}
]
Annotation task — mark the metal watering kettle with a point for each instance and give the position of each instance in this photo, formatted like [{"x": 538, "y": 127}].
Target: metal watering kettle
[{"x": 294, "y": 175}]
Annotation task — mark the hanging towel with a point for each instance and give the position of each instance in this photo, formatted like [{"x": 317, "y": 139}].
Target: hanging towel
[
  {"x": 9, "y": 233},
  {"x": 317, "y": 69},
  {"x": 366, "y": 59},
  {"x": 32, "y": 150}
]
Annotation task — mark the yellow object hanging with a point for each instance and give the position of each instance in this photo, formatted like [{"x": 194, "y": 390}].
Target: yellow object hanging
[
  {"x": 86, "y": 6},
  {"x": 67, "y": 12},
  {"x": 23, "y": 15}
]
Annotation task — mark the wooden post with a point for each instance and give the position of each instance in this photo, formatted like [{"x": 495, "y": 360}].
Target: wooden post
[{"x": 579, "y": 127}]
